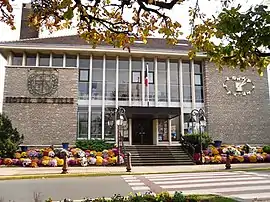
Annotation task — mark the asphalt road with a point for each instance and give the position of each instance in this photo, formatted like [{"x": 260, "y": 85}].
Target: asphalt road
[{"x": 58, "y": 189}]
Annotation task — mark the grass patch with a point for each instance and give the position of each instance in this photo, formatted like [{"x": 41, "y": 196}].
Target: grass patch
[{"x": 209, "y": 198}]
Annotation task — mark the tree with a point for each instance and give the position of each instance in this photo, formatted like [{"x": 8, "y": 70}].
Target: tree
[
  {"x": 242, "y": 35},
  {"x": 10, "y": 139}
]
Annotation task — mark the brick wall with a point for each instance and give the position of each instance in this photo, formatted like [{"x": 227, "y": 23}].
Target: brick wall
[
  {"x": 233, "y": 119},
  {"x": 42, "y": 124}
]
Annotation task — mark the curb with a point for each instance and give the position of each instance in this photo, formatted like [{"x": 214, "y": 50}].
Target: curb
[{"x": 44, "y": 176}]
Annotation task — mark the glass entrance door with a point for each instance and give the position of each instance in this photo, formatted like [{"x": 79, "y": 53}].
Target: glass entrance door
[{"x": 142, "y": 132}]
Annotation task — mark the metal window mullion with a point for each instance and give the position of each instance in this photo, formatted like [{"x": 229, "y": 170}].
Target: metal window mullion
[
  {"x": 142, "y": 82},
  {"x": 24, "y": 59},
  {"x": 51, "y": 60},
  {"x": 130, "y": 81},
  {"x": 89, "y": 96},
  {"x": 193, "y": 101},
  {"x": 37, "y": 59},
  {"x": 117, "y": 81},
  {"x": 103, "y": 98},
  {"x": 64, "y": 60},
  {"x": 181, "y": 91},
  {"x": 156, "y": 81},
  {"x": 168, "y": 82}
]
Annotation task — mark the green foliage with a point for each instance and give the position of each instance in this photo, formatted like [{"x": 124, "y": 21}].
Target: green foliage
[
  {"x": 10, "y": 139},
  {"x": 97, "y": 145},
  {"x": 266, "y": 149},
  {"x": 178, "y": 197},
  {"x": 194, "y": 139}
]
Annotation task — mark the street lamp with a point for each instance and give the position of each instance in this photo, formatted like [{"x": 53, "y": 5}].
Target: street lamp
[
  {"x": 117, "y": 117},
  {"x": 198, "y": 116}
]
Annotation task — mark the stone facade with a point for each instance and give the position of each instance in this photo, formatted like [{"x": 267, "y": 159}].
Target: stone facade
[
  {"x": 241, "y": 119},
  {"x": 42, "y": 123}
]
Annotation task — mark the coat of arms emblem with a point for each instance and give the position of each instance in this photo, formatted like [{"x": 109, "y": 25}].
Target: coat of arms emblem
[{"x": 42, "y": 83}]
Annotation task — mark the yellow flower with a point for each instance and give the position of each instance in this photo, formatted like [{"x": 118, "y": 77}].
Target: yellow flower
[
  {"x": 17, "y": 155},
  {"x": 253, "y": 158},
  {"x": 99, "y": 161}
]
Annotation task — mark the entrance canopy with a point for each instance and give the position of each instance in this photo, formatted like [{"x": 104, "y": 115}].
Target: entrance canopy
[{"x": 152, "y": 112}]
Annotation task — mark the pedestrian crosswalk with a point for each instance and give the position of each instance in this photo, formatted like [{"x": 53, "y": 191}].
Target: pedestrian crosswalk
[{"x": 243, "y": 185}]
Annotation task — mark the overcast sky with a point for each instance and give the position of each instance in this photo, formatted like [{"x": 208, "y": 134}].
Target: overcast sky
[{"x": 179, "y": 13}]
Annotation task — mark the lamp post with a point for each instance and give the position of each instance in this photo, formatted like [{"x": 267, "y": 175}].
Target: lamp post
[
  {"x": 117, "y": 117},
  {"x": 198, "y": 116}
]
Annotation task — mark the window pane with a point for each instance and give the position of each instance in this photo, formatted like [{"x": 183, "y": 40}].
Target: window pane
[
  {"x": 187, "y": 93},
  {"x": 186, "y": 66},
  {"x": 198, "y": 79},
  {"x": 162, "y": 130},
  {"x": 186, "y": 79},
  {"x": 84, "y": 75},
  {"x": 44, "y": 60},
  {"x": 110, "y": 79},
  {"x": 175, "y": 129},
  {"x": 57, "y": 61},
  {"x": 83, "y": 90},
  {"x": 109, "y": 129},
  {"x": 97, "y": 79},
  {"x": 123, "y": 92},
  {"x": 197, "y": 68},
  {"x": 174, "y": 73},
  {"x": 84, "y": 62},
  {"x": 71, "y": 61},
  {"x": 136, "y": 86},
  {"x": 199, "y": 93},
  {"x": 96, "y": 123},
  {"x": 17, "y": 59},
  {"x": 31, "y": 59},
  {"x": 83, "y": 124},
  {"x": 162, "y": 81}
]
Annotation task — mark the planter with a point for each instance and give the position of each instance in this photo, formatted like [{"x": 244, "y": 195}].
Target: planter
[
  {"x": 217, "y": 143},
  {"x": 65, "y": 145}
]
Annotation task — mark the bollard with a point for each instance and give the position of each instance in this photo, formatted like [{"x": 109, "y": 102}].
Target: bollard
[
  {"x": 65, "y": 165},
  {"x": 128, "y": 162},
  {"x": 228, "y": 162}
]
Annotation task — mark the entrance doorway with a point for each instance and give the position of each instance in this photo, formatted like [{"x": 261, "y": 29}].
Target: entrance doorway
[{"x": 142, "y": 132}]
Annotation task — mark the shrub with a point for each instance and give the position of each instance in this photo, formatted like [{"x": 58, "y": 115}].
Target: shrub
[
  {"x": 194, "y": 139},
  {"x": 266, "y": 149},
  {"x": 10, "y": 139},
  {"x": 96, "y": 145}
]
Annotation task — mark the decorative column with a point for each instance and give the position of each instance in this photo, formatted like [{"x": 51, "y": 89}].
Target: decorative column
[
  {"x": 192, "y": 85},
  {"x": 24, "y": 59},
  {"x": 168, "y": 83},
  {"x": 116, "y": 95},
  {"x": 37, "y": 59},
  {"x": 181, "y": 90},
  {"x": 64, "y": 60},
  {"x": 90, "y": 94},
  {"x": 169, "y": 131},
  {"x": 103, "y": 97}
]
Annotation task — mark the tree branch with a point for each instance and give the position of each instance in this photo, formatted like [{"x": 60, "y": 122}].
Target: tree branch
[{"x": 261, "y": 54}]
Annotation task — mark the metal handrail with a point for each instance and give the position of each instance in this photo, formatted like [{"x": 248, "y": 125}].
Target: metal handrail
[{"x": 187, "y": 146}]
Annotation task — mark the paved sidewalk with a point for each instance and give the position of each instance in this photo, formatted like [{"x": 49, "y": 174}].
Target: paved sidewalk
[{"x": 13, "y": 171}]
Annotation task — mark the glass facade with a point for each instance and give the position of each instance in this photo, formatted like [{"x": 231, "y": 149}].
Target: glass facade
[{"x": 131, "y": 88}]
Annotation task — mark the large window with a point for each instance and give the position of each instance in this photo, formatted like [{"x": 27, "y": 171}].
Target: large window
[
  {"x": 123, "y": 92},
  {"x": 109, "y": 129},
  {"x": 110, "y": 81},
  {"x": 31, "y": 59},
  {"x": 83, "y": 123},
  {"x": 162, "y": 80},
  {"x": 162, "y": 130},
  {"x": 57, "y": 60},
  {"x": 136, "y": 79},
  {"x": 151, "y": 85},
  {"x": 84, "y": 62},
  {"x": 174, "y": 73},
  {"x": 83, "y": 84},
  {"x": 198, "y": 82},
  {"x": 175, "y": 129},
  {"x": 97, "y": 78},
  {"x": 17, "y": 59},
  {"x": 186, "y": 81},
  {"x": 71, "y": 61},
  {"x": 44, "y": 59},
  {"x": 96, "y": 123}
]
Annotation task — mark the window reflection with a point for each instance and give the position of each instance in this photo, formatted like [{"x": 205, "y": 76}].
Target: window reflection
[
  {"x": 96, "y": 123},
  {"x": 57, "y": 60},
  {"x": 175, "y": 129},
  {"x": 198, "y": 77},
  {"x": 31, "y": 59},
  {"x": 97, "y": 78},
  {"x": 162, "y": 80},
  {"x": 123, "y": 92},
  {"x": 83, "y": 84},
  {"x": 162, "y": 130},
  {"x": 82, "y": 124},
  {"x": 110, "y": 79},
  {"x": 17, "y": 59},
  {"x": 44, "y": 60},
  {"x": 84, "y": 62},
  {"x": 136, "y": 85},
  {"x": 71, "y": 61},
  {"x": 174, "y": 85},
  {"x": 186, "y": 81}
]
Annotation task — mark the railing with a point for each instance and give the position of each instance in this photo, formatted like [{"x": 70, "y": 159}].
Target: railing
[{"x": 187, "y": 146}]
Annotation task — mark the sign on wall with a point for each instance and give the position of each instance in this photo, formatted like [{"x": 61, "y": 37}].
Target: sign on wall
[{"x": 238, "y": 86}]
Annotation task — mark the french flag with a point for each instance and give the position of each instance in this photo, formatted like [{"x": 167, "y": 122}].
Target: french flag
[{"x": 146, "y": 79}]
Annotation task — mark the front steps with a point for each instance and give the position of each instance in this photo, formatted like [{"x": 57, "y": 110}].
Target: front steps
[{"x": 152, "y": 155}]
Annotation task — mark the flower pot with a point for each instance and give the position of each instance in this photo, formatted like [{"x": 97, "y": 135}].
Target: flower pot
[
  {"x": 65, "y": 145},
  {"x": 217, "y": 143},
  {"x": 24, "y": 148}
]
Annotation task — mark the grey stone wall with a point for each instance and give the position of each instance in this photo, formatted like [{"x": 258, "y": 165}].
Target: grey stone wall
[
  {"x": 237, "y": 120},
  {"x": 42, "y": 123}
]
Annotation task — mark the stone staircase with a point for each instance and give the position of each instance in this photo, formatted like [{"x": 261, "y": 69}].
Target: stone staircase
[{"x": 152, "y": 155}]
